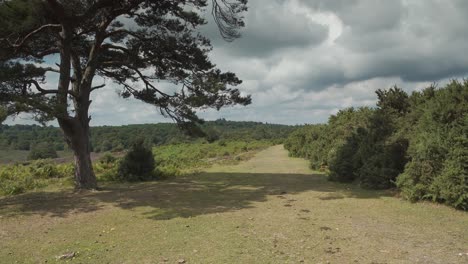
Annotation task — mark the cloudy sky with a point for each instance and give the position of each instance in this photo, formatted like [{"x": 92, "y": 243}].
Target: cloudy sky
[{"x": 303, "y": 60}]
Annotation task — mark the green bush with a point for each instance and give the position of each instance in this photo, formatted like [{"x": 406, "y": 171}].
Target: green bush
[
  {"x": 106, "y": 169},
  {"x": 438, "y": 150},
  {"x": 107, "y": 158},
  {"x": 376, "y": 173},
  {"x": 417, "y": 143},
  {"x": 137, "y": 165},
  {"x": 43, "y": 150}
]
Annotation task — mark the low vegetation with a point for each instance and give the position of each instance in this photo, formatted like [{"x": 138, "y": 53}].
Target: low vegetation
[
  {"x": 139, "y": 164},
  {"x": 173, "y": 152},
  {"x": 18, "y": 178},
  {"x": 188, "y": 156},
  {"x": 417, "y": 143}
]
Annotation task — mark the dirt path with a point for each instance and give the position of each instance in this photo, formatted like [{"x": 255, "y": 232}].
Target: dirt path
[{"x": 270, "y": 209}]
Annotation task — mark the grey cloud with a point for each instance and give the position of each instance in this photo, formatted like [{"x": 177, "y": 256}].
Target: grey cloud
[
  {"x": 296, "y": 74},
  {"x": 363, "y": 16},
  {"x": 270, "y": 27}
]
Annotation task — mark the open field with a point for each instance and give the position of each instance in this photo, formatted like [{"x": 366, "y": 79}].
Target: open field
[
  {"x": 270, "y": 209},
  {"x": 13, "y": 156}
]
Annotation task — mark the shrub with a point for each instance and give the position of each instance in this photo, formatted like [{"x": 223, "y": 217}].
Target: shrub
[
  {"x": 107, "y": 158},
  {"x": 418, "y": 143},
  {"x": 137, "y": 165},
  {"x": 431, "y": 177},
  {"x": 106, "y": 168},
  {"x": 211, "y": 134},
  {"x": 15, "y": 179},
  {"x": 344, "y": 163},
  {"x": 438, "y": 148},
  {"x": 43, "y": 150}
]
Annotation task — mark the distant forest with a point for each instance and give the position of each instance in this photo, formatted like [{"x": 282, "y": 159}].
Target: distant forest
[
  {"x": 416, "y": 142},
  {"x": 118, "y": 138}
]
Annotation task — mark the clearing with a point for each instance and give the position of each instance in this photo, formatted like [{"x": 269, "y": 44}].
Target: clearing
[{"x": 270, "y": 209}]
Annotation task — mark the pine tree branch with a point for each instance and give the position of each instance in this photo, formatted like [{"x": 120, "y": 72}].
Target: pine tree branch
[
  {"x": 18, "y": 44},
  {"x": 43, "y": 91}
]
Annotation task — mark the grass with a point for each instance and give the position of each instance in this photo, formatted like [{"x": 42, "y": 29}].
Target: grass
[
  {"x": 270, "y": 209},
  {"x": 192, "y": 156},
  {"x": 13, "y": 156}
]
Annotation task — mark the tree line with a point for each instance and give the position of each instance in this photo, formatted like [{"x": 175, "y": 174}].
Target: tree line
[
  {"x": 119, "y": 138},
  {"x": 414, "y": 142}
]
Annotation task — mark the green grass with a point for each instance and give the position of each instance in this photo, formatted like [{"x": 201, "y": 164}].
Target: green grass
[{"x": 270, "y": 209}]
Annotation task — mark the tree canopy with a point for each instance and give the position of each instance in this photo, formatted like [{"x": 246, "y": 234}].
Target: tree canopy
[
  {"x": 132, "y": 43},
  {"x": 136, "y": 44}
]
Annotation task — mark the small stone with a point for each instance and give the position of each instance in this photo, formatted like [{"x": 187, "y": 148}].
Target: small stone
[
  {"x": 181, "y": 261},
  {"x": 67, "y": 255}
]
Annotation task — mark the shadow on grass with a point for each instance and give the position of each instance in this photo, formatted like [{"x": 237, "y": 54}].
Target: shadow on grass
[{"x": 187, "y": 196}]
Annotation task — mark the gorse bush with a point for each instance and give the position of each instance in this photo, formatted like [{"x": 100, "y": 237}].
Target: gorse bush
[
  {"x": 415, "y": 142},
  {"x": 138, "y": 164},
  {"x": 322, "y": 144},
  {"x": 438, "y": 149}
]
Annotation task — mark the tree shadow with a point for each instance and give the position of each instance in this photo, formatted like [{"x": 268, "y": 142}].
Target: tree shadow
[{"x": 187, "y": 196}]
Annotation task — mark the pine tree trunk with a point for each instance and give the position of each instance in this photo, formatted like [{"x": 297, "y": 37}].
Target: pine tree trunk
[
  {"x": 84, "y": 173},
  {"x": 77, "y": 137}
]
